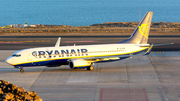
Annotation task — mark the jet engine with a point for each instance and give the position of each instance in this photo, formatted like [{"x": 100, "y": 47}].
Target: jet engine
[{"x": 79, "y": 64}]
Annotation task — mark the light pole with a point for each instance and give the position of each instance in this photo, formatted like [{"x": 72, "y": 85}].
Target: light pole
[{"x": 139, "y": 14}]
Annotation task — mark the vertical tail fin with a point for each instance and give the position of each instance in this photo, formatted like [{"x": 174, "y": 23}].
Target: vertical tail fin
[{"x": 141, "y": 34}]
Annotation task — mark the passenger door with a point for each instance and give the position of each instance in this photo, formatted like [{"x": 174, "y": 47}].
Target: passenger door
[{"x": 29, "y": 56}]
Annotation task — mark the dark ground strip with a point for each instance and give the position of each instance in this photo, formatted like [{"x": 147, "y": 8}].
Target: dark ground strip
[{"x": 79, "y": 40}]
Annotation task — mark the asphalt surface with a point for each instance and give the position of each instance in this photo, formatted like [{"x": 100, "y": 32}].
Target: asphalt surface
[
  {"x": 134, "y": 79},
  {"x": 140, "y": 78},
  {"x": 23, "y": 42}
]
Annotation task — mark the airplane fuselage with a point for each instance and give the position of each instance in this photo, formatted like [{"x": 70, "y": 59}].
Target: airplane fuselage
[{"x": 56, "y": 56}]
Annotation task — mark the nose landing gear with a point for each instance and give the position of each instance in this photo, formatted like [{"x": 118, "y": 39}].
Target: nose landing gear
[{"x": 21, "y": 69}]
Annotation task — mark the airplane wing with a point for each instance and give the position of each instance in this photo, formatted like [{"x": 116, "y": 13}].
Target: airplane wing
[{"x": 106, "y": 58}]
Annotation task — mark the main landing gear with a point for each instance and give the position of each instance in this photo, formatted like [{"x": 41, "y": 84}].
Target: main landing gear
[{"x": 90, "y": 68}]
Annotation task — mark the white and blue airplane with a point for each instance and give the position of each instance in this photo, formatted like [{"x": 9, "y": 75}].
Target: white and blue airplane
[{"x": 84, "y": 56}]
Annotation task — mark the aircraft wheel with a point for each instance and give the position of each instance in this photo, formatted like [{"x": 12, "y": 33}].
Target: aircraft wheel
[
  {"x": 22, "y": 70},
  {"x": 90, "y": 68}
]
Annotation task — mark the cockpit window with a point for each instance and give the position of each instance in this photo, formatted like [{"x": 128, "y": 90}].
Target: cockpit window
[{"x": 16, "y": 55}]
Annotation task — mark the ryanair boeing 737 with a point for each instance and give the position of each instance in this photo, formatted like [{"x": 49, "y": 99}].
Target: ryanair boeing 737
[{"x": 84, "y": 56}]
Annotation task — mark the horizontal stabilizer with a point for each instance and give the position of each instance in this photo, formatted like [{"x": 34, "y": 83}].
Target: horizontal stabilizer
[{"x": 163, "y": 44}]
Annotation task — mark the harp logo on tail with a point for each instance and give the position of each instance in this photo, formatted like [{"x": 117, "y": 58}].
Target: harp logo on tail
[{"x": 143, "y": 29}]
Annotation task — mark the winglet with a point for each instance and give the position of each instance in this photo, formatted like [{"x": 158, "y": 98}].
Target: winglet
[
  {"x": 149, "y": 50},
  {"x": 58, "y": 42}
]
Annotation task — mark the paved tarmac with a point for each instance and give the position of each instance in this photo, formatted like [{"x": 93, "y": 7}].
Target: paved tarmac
[{"x": 134, "y": 79}]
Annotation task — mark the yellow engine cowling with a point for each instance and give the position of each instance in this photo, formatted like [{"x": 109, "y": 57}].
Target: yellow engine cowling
[{"x": 79, "y": 64}]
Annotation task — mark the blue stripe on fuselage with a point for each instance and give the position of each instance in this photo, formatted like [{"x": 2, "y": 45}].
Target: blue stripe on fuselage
[{"x": 45, "y": 63}]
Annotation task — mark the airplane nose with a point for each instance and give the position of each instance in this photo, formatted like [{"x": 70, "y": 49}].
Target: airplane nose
[{"x": 9, "y": 60}]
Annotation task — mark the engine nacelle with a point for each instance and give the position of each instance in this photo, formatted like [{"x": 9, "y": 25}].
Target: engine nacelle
[{"x": 79, "y": 64}]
